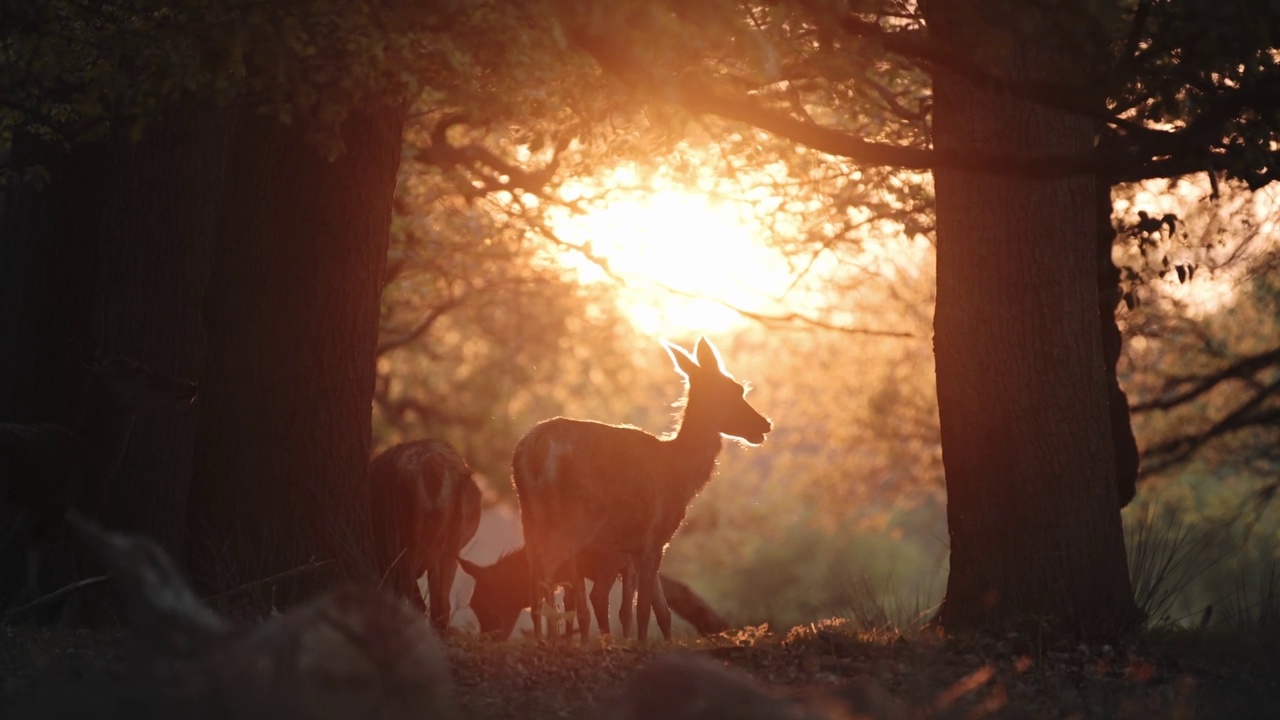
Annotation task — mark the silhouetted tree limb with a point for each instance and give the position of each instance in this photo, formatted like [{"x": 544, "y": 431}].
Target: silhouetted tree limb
[
  {"x": 424, "y": 325},
  {"x": 1186, "y": 388},
  {"x": 484, "y": 170}
]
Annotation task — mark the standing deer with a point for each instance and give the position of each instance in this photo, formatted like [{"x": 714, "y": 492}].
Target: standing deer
[
  {"x": 425, "y": 508},
  {"x": 586, "y": 484},
  {"x": 502, "y": 590},
  {"x": 46, "y": 468}
]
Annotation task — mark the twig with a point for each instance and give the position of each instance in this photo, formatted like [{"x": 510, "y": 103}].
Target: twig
[
  {"x": 58, "y": 594},
  {"x": 278, "y": 576}
]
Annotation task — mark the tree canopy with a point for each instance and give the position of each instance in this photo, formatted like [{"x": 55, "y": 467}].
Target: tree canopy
[{"x": 843, "y": 123}]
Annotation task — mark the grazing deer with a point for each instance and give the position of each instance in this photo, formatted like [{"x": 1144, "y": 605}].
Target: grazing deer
[
  {"x": 425, "y": 508},
  {"x": 586, "y": 484},
  {"x": 502, "y": 590},
  {"x": 46, "y": 468}
]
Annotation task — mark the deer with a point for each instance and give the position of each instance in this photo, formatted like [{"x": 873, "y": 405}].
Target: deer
[
  {"x": 426, "y": 506},
  {"x": 47, "y": 468},
  {"x": 502, "y": 590},
  {"x": 585, "y": 484}
]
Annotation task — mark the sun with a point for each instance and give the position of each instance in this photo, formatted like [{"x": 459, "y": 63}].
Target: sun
[{"x": 686, "y": 261}]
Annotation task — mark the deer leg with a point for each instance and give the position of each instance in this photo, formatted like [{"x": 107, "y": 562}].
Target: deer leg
[
  {"x": 600, "y": 602},
  {"x": 570, "y": 611},
  {"x": 647, "y": 575},
  {"x": 661, "y": 611},
  {"x": 440, "y": 584},
  {"x": 539, "y": 588},
  {"x": 627, "y": 609},
  {"x": 579, "y": 590},
  {"x": 575, "y": 599},
  {"x": 404, "y": 582}
]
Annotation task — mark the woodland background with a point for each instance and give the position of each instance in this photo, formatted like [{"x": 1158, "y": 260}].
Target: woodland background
[{"x": 208, "y": 187}]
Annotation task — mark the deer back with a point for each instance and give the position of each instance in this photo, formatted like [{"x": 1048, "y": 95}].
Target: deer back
[
  {"x": 579, "y": 477},
  {"x": 424, "y": 502}
]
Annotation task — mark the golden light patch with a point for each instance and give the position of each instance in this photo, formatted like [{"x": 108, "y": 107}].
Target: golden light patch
[{"x": 684, "y": 260}]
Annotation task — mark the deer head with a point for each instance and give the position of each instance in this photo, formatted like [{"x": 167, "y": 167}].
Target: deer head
[
  {"x": 136, "y": 387},
  {"x": 501, "y": 591},
  {"x": 716, "y": 400}
]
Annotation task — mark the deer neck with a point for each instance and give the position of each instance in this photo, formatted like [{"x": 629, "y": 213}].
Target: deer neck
[
  {"x": 693, "y": 450},
  {"x": 104, "y": 427}
]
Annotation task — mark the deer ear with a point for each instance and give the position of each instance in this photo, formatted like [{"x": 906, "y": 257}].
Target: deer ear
[
  {"x": 708, "y": 355},
  {"x": 471, "y": 568},
  {"x": 684, "y": 362}
]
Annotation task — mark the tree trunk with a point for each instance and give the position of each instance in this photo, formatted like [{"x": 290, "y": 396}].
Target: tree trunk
[
  {"x": 1109, "y": 295},
  {"x": 158, "y": 235},
  {"x": 47, "y": 275},
  {"x": 292, "y": 312},
  {"x": 114, "y": 251},
  {"x": 46, "y": 284},
  {"x": 1022, "y": 392}
]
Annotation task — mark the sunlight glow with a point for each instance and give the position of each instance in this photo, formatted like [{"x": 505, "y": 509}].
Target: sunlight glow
[
  {"x": 1220, "y": 240},
  {"x": 682, "y": 258}
]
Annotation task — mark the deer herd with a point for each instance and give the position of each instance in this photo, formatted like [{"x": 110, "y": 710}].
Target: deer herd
[{"x": 598, "y": 502}]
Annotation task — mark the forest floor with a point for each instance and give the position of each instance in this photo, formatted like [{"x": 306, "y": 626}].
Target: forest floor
[{"x": 1168, "y": 675}]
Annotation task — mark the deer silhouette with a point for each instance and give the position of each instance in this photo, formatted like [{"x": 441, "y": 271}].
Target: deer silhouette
[
  {"x": 502, "y": 590},
  {"x": 425, "y": 508},
  {"x": 47, "y": 468},
  {"x": 585, "y": 484}
]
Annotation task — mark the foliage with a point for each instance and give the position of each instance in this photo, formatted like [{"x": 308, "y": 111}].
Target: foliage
[
  {"x": 484, "y": 332},
  {"x": 73, "y": 68},
  {"x": 1201, "y": 365},
  {"x": 1198, "y": 551}
]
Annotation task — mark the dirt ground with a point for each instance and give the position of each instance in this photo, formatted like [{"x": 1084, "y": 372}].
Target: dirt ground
[{"x": 48, "y": 673}]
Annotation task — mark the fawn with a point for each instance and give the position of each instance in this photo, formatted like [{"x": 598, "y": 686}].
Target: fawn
[
  {"x": 502, "y": 590},
  {"x": 425, "y": 508},
  {"x": 586, "y": 484}
]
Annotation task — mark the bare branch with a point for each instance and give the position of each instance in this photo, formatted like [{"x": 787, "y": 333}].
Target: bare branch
[
  {"x": 423, "y": 325},
  {"x": 1196, "y": 386}
]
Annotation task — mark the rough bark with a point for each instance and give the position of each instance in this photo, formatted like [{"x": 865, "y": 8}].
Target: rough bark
[
  {"x": 47, "y": 284},
  {"x": 1022, "y": 392},
  {"x": 283, "y": 441},
  {"x": 1109, "y": 294},
  {"x": 47, "y": 278},
  {"x": 158, "y": 234},
  {"x": 113, "y": 251}
]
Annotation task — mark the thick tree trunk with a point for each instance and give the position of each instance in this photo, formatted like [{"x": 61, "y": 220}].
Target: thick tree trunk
[
  {"x": 1109, "y": 295},
  {"x": 48, "y": 231},
  {"x": 1022, "y": 392},
  {"x": 159, "y": 230},
  {"x": 45, "y": 287},
  {"x": 114, "y": 251},
  {"x": 292, "y": 312}
]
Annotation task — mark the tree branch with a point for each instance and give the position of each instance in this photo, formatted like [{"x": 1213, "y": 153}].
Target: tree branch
[
  {"x": 1197, "y": 386},
  {"x": 423, "y": 325}
]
